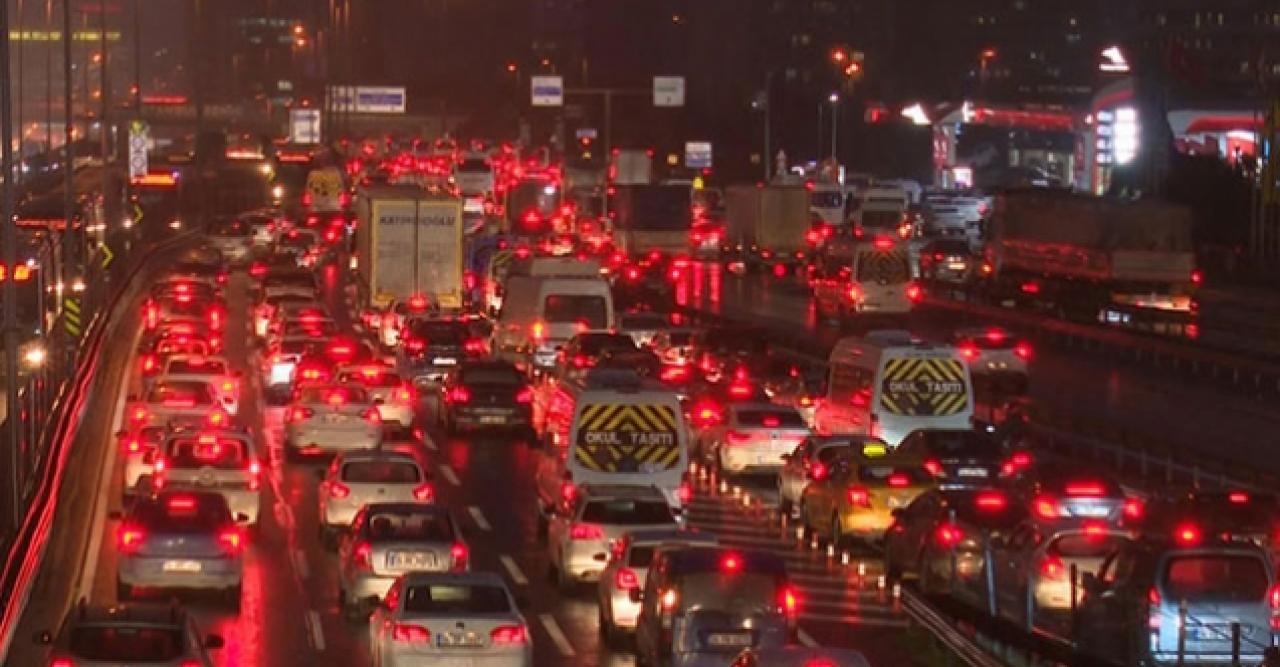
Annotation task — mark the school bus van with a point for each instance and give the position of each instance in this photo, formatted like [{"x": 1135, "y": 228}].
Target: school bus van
[
  {"x": 887, "y": 384},
  {"x": 630, "y": 433}
]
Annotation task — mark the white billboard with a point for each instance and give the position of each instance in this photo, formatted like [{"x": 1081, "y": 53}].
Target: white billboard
[
  {"x": 368, "y": 99},
  {"x": 668, "y": 91},
  {"x": 547, "y": 91},
  {"x": 304, "y": 126}
]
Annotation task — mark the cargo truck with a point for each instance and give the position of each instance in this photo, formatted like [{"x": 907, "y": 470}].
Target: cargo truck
[
  {"x": 631, "y": 166},
  {"x": 766, "y": 225},
  {"x": 652, "y": 217},
  {"x": 1093, "y": 259},
  {"x": 409, "y": 246}
]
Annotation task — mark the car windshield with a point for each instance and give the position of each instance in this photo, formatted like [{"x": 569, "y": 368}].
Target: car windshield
[
  {"x": 491, "y": 375},
  {"x": 126, "y": 643},
  {"x": 643, "y": 322},
  {"x": 743, "y": 593},
  {"x": 197, "y": 367},
  {"x": 640, "y": 556},
  {"x": 963, "y": 443},
  {"x": 409, "y": 526},
  {"x": 206, "y": 452},
  {"x": 828, "y": 199},
  {"x": 1215, "y": 578},
  {"x": 371, "y": 378},
  {"x": 1079, "y": 545},
  {"x": 474, "y": 165},
  {"x": 770, "y": 419},
  {"x": 335, "y": 396},
  {"x": 627, "y": 512},
  {"x": 894, "y": 475},
  {"x": 439, "y": 333},
  {"x": 589, "y": 309},
  {"x": 456, "y": 599},
  {"x": 180, "y": 394},
  {"x": 593, "y": 344},
  {"x": 381, "y": 472}
]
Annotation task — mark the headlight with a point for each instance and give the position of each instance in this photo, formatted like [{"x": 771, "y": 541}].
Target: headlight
[{"x": 277, "y": 192}]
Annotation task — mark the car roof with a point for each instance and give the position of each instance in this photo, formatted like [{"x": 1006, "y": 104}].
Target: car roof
[
  {"x": 672, "y": 536},
  {"x": 129, "y": 612},
  {"x": 377, "y": 455},
  {"x": 473, "y": 577}
]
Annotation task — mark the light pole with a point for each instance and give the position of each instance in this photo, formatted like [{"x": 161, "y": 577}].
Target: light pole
[
  {"x": 8, "y": 241},
  {"x": 834, "y": 99}
]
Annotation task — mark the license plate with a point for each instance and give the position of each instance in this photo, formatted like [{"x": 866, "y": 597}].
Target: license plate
[
  {"x": 335, "y": 419},
  {"x": 956, "y": 266},
  {"x": 445, "y": 361},
  {"x": 182, "y": 566},
  {"x": 493, "y": 420},
  {"x": 973, "y": 472},
  {"x": 734, "y": 639},
  {"x": 423, "y": 561},
  {"x": 1092, "y": 511},
  {"x": 459, "y": 639}
]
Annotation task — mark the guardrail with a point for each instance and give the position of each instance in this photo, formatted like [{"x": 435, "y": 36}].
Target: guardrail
[{"x": 27, "y": 548}]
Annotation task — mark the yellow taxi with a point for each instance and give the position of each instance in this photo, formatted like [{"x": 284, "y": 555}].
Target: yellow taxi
[{"x": 857, "y": 497}]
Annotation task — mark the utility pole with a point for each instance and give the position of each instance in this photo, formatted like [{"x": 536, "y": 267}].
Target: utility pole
[
  {"x": 137, "y": 58},
  {"x": 105, "y": 121},
  {"x": 69, "y": 233},
  {"x": 8, "y": 239}
]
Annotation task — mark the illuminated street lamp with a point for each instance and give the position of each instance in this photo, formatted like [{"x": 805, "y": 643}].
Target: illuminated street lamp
[{"x": 34, "y": 356}]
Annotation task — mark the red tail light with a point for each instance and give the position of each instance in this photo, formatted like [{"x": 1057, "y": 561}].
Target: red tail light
[
  {"x": 739, "y": 389},
  {"x": 1046, "y": 507},
  {"x": 257, "y": 269},
  {"x": 61, "y": 662},
  {"x": 899, "y": 480},
  {"x": 934, "y": 467},
  {"x": 669, "y": 600},
  {"x": 706, "y": 414},
  {"x": 415, "y": 344},
  {"x": 1089, "y": 489},
  {"x": 789, "y": 601},
  {"x": 1187, "y": 534},
  {"x": 231, "y": 541},
  {"x": 459, "y": 554},
  {"x": 474, "y": 346},
  {"x": 1051, "y": 567},
  {"x": 737, "y": 438},
  {"x": 585, "y": 531},
  {"x": 509, "y": 634},
  {"x": 818, "y": 472},
  {"x": 138, "y": 415},
  {"x": 424, "y": 493},
  {"x": 1238, "y": 498},
  {"x": 149, "y": 365},
  {"x": 684, "y": 493},
  {"x": 129, "y": 539},
  {"x": 1023, "y": 350},
  {"x": 217, "y": 419},
  {"x": 626, "y": 579},
  {"x": 1016, "y": 463},
  {"x": 524, "y": 396},
  {"x": 1030, "y": 288},
  {"x": 993, "y": 501},
  {"x": 298, "y": 413},
  {"x": 859, "y": 496},
  {"x": 458, "y": 395},
  {"x": 674, "y": 374},
  {"x": 582, "y": 361},
  {"x": 372, "y": 415},
  {"x": 1133, "y": 508},
  {"x": 968, "y": 350},
  {"x": 338, "y": 490},
  {"x": 408, "y": 633},
  {"x": 914, "y": 292},
  {"x": 948, "y": 535},
  {"x": 1197, "y": 277},
  {"x": 132, "y": 445},
  {"x": 362, "y": 557},
  {"x": 568, "y": 492},
  {"x": 538, "y": 331}
]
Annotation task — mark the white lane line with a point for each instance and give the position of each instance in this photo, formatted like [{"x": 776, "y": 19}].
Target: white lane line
[
  {"x": 102, "y": 501},
  {"x": 300, "y": 563},
  {"x": 478, "y": 517},
  {"x": 446, "y": 471},
  {"x": 557, "y": 635},
  {"x": 314, "y": 631},
  {"x": 805, "y": 638},
  {"x": 513, "y": 569}
]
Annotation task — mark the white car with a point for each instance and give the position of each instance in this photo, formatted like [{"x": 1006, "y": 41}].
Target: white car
[
  {"x": 580, "y": 532},
  {"x": 223, "y": 461},
  {"x": 455, "y": 618},
  {"x": 327, "y": 418},
  {"x": 627, "y": 571},
  {"x": 752, "y": 437},
  {"x": 292, "y": 305},
  {"x": 386, "y": 540},
  {"x": 355, "y": 479},
  {"x": 996, "y": 356},
  {"x": 214, "y": 370},
  {"x": 192, "y": 403},
  {"x": 138, "y": 447},
  {"x": 395, "y": 397}
]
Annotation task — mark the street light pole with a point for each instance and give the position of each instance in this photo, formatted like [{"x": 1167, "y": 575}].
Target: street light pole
[
  {"x": 834, "y": 98},
  {"x": 75, "y": 261},
  {"x": 8, "y": 239}
]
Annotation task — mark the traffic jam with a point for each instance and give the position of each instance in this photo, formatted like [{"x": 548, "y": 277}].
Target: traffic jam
[{"x": 472, "y": 443}]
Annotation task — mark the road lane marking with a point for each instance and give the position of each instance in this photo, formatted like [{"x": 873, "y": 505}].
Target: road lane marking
[
  {"x": 805, "y": 638},
  {"x": 300, "y": 563},
  {"x": 478, "y": 517},
  {"x": 446, "y": 471},
  {"x": 513, "y": 569},
  {"x": 315, "y": 632},
  {"x": 557, "y": 635}
]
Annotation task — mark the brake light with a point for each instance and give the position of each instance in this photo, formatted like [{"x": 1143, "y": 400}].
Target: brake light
[
  {"x": 341, "y": 351},
  {"x": 409, "y": 633},
  {"x": 215, "y": 319},
  {"x": 1091, "y": 489},
  {"x": 138, "y": 415},
  {"x": 819, "y": 471},
  {"x": 509, "y": 634},
  {"x": 1030, "y": 288},
  {"x": 257, "y": 269},
  {"x": 1133, "y": 508},
  {"x": 737, "y": 438},
  {"x": 883, "y": 243},
  {"x": 474, "y": 346},
  {"x": 684, "y": 492},
  {"x": 914, "y": 292},
  {"x": 1046, "y": 507},
  {"x": 626, "y": 579},
  {"x": 458, "y": 395},
  {"x": 524, "y": 396},
  {"x": 568, "y": 492},
  {"x": 231, "y": 541},
  {"x": 674, "y": 374},
  {"x": 298, "y": 413},
  {"x": 993, "y": 501},
  {"x": 133, "y": 445},
  {"x": 362, "y": 556},
  {"x": 404, "y": 395},
  {"x": 582, "y": 361},
  {"x": 424, "y": 493},
  {"x": 1197, "y": 277},
  {"x": 216, "y": 419},
  {"x": 586, "y": 531},
  {"x": 1051, "y": 567},
  {"x": 731, "y": 563},
  {"x": 669, "y": 600},
  {"x": 1016, "y": 463},
  {"x": 899, "y": 480},
  {"x": 739, "y": 389},
  {"x": 61, "y": 662},
  {"x": 338, "y": 490},
  {"x": 538, "y": 331},
  {"x": 415, "y": 344},
  {"x": 948, "y": 535},
  {"x": 149, "y": 365},
  {"x": 789, "y": 601},
  {"x": 859, "y": 496},
  {"x": 1023, "y": 350},
  {"x": 706, "y": 414},
  {"x": 1187, "y": 534},
  {"x": 968, "y": 350},
  {"x": 372, "y": 415},
  {"x": 934, "y": 468},
  {"x": 1238, "y": 498},
  {"x": 129, "y": 539},
  {"x": 459, "y": 554}
]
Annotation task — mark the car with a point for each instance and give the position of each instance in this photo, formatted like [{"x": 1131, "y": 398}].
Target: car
[
  {"x": 627, "y": 570},
  {"x": 857, "y": 497},
  {"x": 222, "y": 461},
  {"x": 358, "y": 478},
  {"x": 942, "y": 537},
  {"x": 267, "y": 263},
  {"x": 286, "y": 280},
  {"x": 643, "y": 327},
  {"x": 1034, "y": 564},
  {"x": 329, "y": 418},
  {"x": 180, "y": 540},
  {"x": 396, "y": 398},
  {"x": 1175, "y": 598},
  {"x": 998, "y": 358},
  {"x": 280, "y": 366},
  {"x": 264, "y": 225},
  {"x": 674, "y": 347},
  {"x": 396, "y": 436},
  {"x": 189, "y": 402},
  {"x": 957, "y": 457},
  {"x": 752, "y": 438},
  {"x": 215, "y": 370},
  {"x": 585, "y": 349},
  {"x": 948, "y": 261},
  {"x": 485, "y": 394},
  {"x": 703, "y": 605},
  {"x": 1242, "y": 516},
  {"x": 386, "y": 540},
  {"x": 464, "y": 617},
  {"x": 1061, "y": 496},
  {"x": 720, "y": 350},
  {"x": 300, "y": 306},
  {"x": 138, "y": 447},
  {"x": 233, "y": 238},
  {"x": 800, "y": 656},
  {"x": 582, "y": 528},
  {"x": 390, "y": 324},
  {"x": 163, "y": 635},
  {"x": 812, "y": 460}
]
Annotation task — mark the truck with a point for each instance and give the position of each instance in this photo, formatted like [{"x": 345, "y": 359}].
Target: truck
[
  {"x": 1095, "y": 259},
  {"x": 631, "y": 166},
  {"x": 880, "y": 209},
  {"x": 767, "y": 224},
  {"x": 652, "y": 217},
  {"x": 409, "y": 245},
  {"x": 532, "y": 203}
]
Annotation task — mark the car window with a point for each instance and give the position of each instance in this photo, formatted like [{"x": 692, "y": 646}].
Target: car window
[
  {"x": 416, "y": 526},
  {"x": 123, "y": 643},
  {"x": 439, "y": 333},
  {"x": 627, "y": 512},
  {"x": 1077, "y": 545},
  {"x": 197, "y": 367},
  {"x": 386, "y": 472},
  {"x": 182, "y": 514},
  {"x": 456, "y": 599},
  {"x": 770, "y": 419},
  {"x": 491, "y": 375},
  {"x": 743, "y": 593},
  {"x": 882, "y": 474},
  {"x": 1215, "y": 578},
  {"x": 212, "y": 452},
  {"x": 180, "y": 394},
  {"x": 588, "y": 309},
  {"x": 962, "y": 443},
  {"x": 334, "y": 395},
  {"x": 640, "y": 556},
  {"x": 379, "y": 379}
]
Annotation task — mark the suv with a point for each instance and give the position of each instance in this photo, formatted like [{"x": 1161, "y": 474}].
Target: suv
[
  {"x": 154, "y": 634},
  {"x": 703, "y": 602}
]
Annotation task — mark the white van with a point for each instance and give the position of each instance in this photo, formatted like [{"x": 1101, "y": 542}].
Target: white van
[
  {"x": 880, "y": 209},
  {"x": 887, "y": 384},
  {"x": 875, "y": 279},
  {"x": 541, "y": 313},
  {"x": 631, "y": 434}
]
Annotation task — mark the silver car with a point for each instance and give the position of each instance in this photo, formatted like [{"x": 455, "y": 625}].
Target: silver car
[
  {"x": 157, "y": 635},
  {"x": 191, "y": 403},
  {"x": 180, "y": 540},
  {"x": 752, "y": 438},
  {"x": 215, "y": 370},
  {"x": 580, "y": 534},
  {"x": 395, "y": 397},
  {"x": 386, "y": 540},
  {"x": 444, "y": 619},
  {"x": 225, "y": 462},
  {"x": 356, "y": 479},
  {"x": 623, "y": 578},
  {"x": 331, "y": 418}
]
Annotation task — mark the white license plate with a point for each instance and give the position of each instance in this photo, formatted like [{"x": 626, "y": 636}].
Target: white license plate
[
  {"x": 459, "y": 639},
  {"x": 1093, "y": 511},
  {"x": 729, "y": 639},
  {"x": 956, "y": 266},
  {"x": 445, "y": 361},
  {"x": 411, "y": 560},
  {"x": 973, "y": 472},
  {"x": 187, "y": 566},
  {"x": 493, "y": 420},
  {"x": 335, "y": 419}
]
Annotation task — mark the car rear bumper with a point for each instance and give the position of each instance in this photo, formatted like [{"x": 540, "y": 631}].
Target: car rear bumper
[
  {"x": 325, "y": 440},
  {"x": 149, "y": 572},
  {"x": 584, "y": 560},
  {"x": 491, "y": 416},
  {"x": 472, "y": 658}
]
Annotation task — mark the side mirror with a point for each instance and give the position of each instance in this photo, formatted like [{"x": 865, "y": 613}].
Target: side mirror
[
  {"x": 43, "y": 637},
  {"x": 636, "y": 595},
  {"x": 214, "y": 641}
]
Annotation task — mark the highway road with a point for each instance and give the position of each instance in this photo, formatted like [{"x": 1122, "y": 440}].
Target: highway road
[{"x": 289, "y": 610}]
